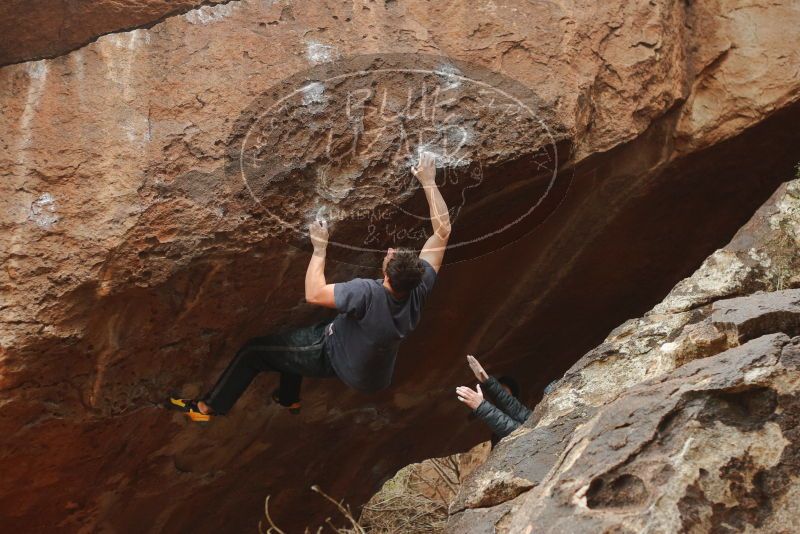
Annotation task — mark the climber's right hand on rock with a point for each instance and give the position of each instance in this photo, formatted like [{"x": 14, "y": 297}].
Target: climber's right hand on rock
[
  {"x": 318, "y": 231},
  {"x": 425, "y": 171},
  {"x": 470, "y": 397}
]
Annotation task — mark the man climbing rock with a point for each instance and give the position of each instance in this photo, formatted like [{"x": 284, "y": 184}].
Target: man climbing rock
[
  {"x": 360, "y": 345},
  {"x": 509, "y": 413}
]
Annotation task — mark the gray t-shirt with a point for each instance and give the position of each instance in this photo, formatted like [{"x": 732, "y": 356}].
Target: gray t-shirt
[{"x": 362, "y": 341}]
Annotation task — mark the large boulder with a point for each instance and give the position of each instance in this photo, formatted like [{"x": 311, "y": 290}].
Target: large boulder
[
  {"x": 683, "y": 420},
  {"x": 140, "y": 245}
]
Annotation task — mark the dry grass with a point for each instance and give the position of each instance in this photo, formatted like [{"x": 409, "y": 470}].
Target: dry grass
[
  {"x": 414, "y": 501},
  {"x": 354, "y": 527}
]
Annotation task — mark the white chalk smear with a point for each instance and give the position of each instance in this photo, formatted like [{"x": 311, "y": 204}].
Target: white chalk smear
[
  {"x": 43, "y": 211},
  {"x": 450, "y": 76},
  {"x": 208, "y": 14},
  {"x": 442, "y": 157},
  {"x": 128, "y": 40},
  {"x": 313, "y": 93},
  {"x": 320, "y": 53},
  {"x": 37, "y": 72}
]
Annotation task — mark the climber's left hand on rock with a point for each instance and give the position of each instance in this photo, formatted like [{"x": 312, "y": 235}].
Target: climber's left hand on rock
[{"x": 318, "y": 231}]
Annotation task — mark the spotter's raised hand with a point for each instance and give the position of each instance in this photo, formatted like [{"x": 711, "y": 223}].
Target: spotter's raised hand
[
  {"x": 477, "y": 368},
  {"x": 470, "y": 397}
]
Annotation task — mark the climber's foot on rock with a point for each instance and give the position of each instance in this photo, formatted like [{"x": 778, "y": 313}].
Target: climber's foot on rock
[
  {"x": 197, "y": 411},
  {"x": 294, "y": 408}
]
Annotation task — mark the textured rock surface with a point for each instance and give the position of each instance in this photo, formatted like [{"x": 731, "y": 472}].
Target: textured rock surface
[
  {"x": 683, "y": 420},
  {"x": 134, "y": 262},
  {"x": 745, "y": 318}
]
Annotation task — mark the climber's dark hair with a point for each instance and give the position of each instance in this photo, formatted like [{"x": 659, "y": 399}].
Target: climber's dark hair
[
  {"x": 511, "y": 384},
  {"x": 404, "y": 270}
]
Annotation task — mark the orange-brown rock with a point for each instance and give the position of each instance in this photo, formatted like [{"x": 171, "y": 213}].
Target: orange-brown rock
[
  {"x": 136, "y": 260},
  {"x": 36, "y": 29}
]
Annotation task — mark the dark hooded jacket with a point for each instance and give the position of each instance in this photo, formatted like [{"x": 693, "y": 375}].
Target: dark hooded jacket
[{"x": 506, "y": 416}]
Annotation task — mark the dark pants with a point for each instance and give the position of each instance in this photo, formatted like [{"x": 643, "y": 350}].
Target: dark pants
[{"x": 293, "y": 354}]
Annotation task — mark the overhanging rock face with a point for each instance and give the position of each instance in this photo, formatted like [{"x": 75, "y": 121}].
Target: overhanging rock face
[
  {"x": 137, "y": 256},
  {"x": 685, "y": 419},
  {"x": 35, "y": 29}
]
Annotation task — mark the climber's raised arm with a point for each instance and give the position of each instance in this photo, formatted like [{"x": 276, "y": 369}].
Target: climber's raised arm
[
  {"x": 359, "y": 346},
  {"x": 317, "y": 290},
  {"x": 433, "y": 251}
]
